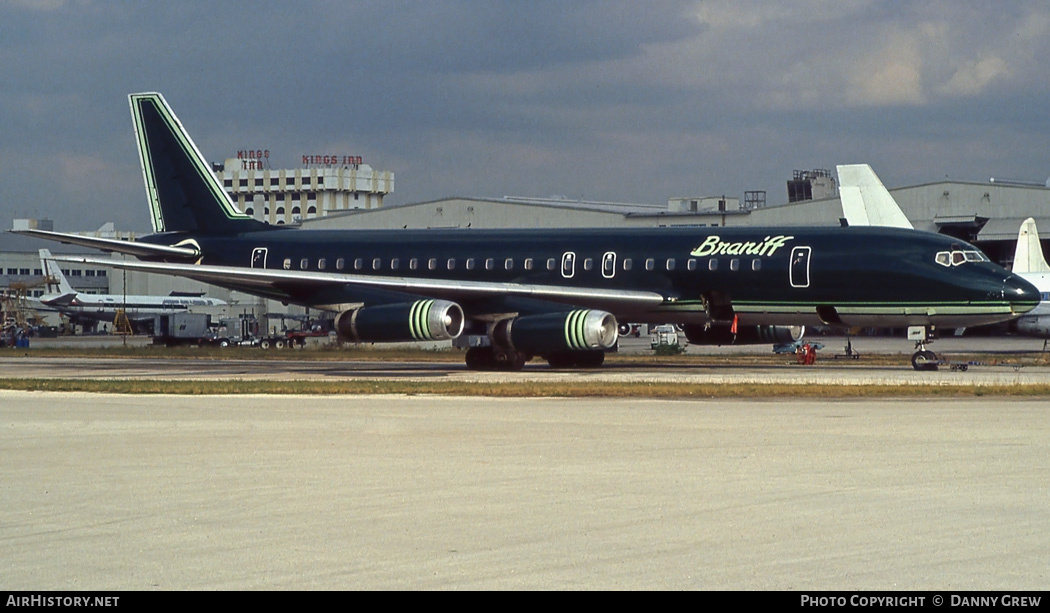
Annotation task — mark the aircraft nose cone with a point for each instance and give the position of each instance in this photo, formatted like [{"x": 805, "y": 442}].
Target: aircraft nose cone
[{"x": 1022, "y": 295}]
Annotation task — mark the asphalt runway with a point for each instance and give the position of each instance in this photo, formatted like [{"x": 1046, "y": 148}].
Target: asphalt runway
[{"x": 106, "y": 492}]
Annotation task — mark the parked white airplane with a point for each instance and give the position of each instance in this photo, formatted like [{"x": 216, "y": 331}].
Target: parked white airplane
[
  {"x": 81, "y": 307},
  {"x": 1030, "y": 265}
]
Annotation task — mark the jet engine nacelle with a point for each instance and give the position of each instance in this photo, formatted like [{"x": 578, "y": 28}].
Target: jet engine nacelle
[
  {"x": 422, "y": 320},
  {"x": 580, "y": 330},
  {"x": 1036, "y": 325},
  {"x": 745, "y": 335}
]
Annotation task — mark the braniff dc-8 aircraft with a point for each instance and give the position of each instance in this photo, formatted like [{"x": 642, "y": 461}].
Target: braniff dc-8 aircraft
[
  {"x": 555, "y": 294},
  {"x": 81, "y": 307}
]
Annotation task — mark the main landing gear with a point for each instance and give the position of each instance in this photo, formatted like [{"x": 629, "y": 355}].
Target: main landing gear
[{"x": 490, "y": 358}]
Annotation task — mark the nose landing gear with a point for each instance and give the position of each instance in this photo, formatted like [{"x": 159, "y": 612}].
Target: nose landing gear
[{"x": 923, "y": 358}]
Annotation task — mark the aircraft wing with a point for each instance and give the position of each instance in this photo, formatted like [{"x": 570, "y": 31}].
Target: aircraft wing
[
  {"x": 278, "y": 281},
  {"x": 137, "y": 249}
]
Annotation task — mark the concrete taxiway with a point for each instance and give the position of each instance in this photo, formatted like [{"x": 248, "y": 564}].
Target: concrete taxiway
[
  {"x": 787, "y": 373},
  {"x": 1029, "y": 364},
  {"x": 293, "y": 492}
]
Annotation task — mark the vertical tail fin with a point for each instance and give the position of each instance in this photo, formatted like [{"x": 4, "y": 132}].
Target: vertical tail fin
[
  {"x": 866, "y": 201},
  {"x": 56, "y": 281},
  {"x": 1028, "y": 255},
  {"x": 183, "y": 193}
]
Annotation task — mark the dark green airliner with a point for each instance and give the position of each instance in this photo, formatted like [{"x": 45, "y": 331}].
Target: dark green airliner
[{"x": 555, "y": 294}]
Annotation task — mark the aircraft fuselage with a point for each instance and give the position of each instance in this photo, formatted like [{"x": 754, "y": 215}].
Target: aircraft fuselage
[{"x": 837, "y": 276}]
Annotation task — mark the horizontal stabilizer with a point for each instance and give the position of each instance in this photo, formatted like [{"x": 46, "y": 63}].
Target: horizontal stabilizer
[
  {"x": 866, "y": 201},
  {"x": 1028, "y": 255},
  {"x": 146, "y": 250}
]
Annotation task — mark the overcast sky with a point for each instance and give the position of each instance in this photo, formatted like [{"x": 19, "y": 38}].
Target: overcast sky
[{"x": 605, "y": 100}]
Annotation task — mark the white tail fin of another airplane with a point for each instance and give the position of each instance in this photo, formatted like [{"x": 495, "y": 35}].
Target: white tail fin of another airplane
[
  {"x": 866, "y": 201},
  {"x": 1028, "y": 255},
  {"x": 56, "y": 281}
]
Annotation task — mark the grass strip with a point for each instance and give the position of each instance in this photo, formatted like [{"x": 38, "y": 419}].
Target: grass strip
[
  {"x": 523, "y": 389},
  {"x": 452, "y": 356}
]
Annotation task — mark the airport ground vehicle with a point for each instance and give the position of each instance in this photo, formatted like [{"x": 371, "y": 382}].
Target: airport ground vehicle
[{"x": 663, "y": 336}]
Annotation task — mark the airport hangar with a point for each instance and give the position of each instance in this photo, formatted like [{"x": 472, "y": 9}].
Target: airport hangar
[{"x": 986, "y": 213}]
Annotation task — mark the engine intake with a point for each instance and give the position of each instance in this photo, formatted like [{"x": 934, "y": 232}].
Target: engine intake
[
  {"x": 579, "y": 330},
  {"x": 422, "y": 320},
  {"x": 745, "y": 335}
]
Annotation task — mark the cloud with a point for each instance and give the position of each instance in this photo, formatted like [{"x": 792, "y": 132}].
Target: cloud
[{"x": 608, "y": 100}]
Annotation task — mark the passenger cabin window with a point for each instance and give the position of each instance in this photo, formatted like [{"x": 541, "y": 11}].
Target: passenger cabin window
[
  {"x": 470, "y": 263},
  {"x": 376, "y": 263},
  {"x": 304, "y": 264},
  {"x": 340, "y": 263},
  {"x": 734, "y": 264},
  {"x": 588, "y": 264},
  {"x": 359, "y": 263},
  {"x": 288, "y": 263},
  {"x": 528, "y": 263},
  {"x": 552, "y": 264},
  {"x": 508, "y": 264},
  {"x": 691, "y": 265},
  {"x": 670, "y": 264},
  {"x": 490, "y": 264},
  {"x": 756, "y": 264},
  {"x": 413, "y": 264},
  {"x": 321, "y": 264},
  {"x": 650, "y": 264},
  {"x": 395, "y": 264},
  {"x": 712, "y": 264},
  {"x": 432, "y": 264},
  {"x": 628, "y": 263},
  {"x": 452, "y": 263}
]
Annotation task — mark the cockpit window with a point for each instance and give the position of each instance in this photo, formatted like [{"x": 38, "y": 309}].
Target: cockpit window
[{"x": 958, "y": 257}]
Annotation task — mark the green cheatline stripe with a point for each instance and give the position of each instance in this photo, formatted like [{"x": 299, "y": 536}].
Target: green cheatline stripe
[
  {"x": 691, "y": 303},
  {"x": 417, "y": 320},
  {"x": 147, "y": 171},
  {"x": 940, "y": 307}
]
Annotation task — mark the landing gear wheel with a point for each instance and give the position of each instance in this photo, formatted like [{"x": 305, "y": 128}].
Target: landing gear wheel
[
  {"x": 576, "y": 359},
  {"x": 480, "y": 358},
  {"x": 924, "y": 360},
  {"x": 561, "y": 359},
  {"x": 487, "y": 358},
  {"x": 590, "y": 359}
]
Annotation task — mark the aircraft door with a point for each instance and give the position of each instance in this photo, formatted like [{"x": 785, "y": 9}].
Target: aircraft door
[
  {"x": 259, "y": 257},
  {"x": 798, "y": 273},
  {"x": 609, "y": 264},
  {"x": 568, "y": 264}
]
